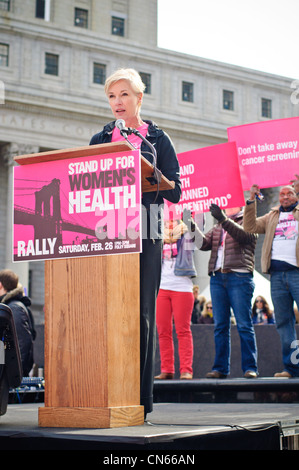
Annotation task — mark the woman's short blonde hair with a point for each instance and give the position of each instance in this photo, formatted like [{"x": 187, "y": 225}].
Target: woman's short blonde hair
[{"x": 130, "y": 75}]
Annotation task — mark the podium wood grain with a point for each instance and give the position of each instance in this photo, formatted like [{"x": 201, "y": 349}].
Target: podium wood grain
[{"x": 92, "y": 336}]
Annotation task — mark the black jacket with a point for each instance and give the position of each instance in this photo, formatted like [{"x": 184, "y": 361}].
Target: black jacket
[
  {"x": 167, "y": 162},
  {"x": 239, "y": 246},
  {"x": 19, "y": 305}
]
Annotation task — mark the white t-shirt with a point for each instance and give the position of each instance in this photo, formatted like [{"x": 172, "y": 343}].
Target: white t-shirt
[
  {"x": 169, "y": 281},
  {"x": 220, "y": 251},
  {"x": 285, "y": 239}
]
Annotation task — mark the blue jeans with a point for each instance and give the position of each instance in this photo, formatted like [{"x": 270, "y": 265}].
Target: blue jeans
[
  {"x": 284, "y": 291},
  {"x": 233, "y": 290}
]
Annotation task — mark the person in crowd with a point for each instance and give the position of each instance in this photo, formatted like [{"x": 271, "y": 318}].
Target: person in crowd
[
  {"x": 199, "y": 301},
  {"x": 175, "y": 300},
  {"x": 124, "y": 90},
  {"x": 261, "y": 312},
  {"x": 206, "y": 317},
  {"x": 280, "y": 259},
  {"x": 12, "y": 294},
  {"x": 231, "y": 266}
]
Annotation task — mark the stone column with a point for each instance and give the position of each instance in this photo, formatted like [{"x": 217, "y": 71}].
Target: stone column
[{"x": 9, "y": 151}]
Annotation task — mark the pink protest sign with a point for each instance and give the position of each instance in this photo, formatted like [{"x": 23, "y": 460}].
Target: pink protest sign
[
  {"x": 209, "y": 175},
  {"x": 268, "y": 151},
  {"x": 85, "y": 206}
]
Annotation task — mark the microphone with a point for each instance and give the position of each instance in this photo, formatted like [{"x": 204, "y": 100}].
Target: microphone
[{"x": 121, "y": 125}]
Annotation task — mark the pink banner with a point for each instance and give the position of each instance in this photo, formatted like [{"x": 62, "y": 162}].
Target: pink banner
[
  {"x": 77, "y": 207},
  {"x": 209, "y": 175},
  {"x": 268, "y": 152}
]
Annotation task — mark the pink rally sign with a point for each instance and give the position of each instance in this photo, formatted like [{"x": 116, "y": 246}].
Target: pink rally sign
[
  {"x": 209, "y": 175},
  {"x": 268, "y": 152},
  {"x": 77, "y": 207}
]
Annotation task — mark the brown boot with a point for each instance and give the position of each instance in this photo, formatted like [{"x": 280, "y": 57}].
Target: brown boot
[
  {"x": 165, "y": 376},
  {"x": 284, "y": 374},
  {"x": 186, "y": 376},
  {"x": 215, "y": 375}
]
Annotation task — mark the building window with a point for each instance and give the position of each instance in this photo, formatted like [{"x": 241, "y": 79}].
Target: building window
[
  {"x": 228, "y": 100},
  {"x": 42, "y": 9},
  {"x": 51, "y": 64},
  {"x": 5, "y": 5},
  {"x": 99, "y": 73},
  {"x": 266, "y": 108},
  {"x": 147, "y": 80},
  {"x": 187, "y": 91},
  {"x": 4, "y": 53},
  {"x": 118, "y": 26},
  {"x": 81, "y": 18}
]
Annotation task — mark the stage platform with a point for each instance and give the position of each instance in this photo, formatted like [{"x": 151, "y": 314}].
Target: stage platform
[
  {"x": 171, "y": 427},
  {"x": 229, "y": 390}
]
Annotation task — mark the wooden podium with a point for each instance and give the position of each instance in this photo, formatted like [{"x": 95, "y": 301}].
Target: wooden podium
[{"x": 92, "y": 311}]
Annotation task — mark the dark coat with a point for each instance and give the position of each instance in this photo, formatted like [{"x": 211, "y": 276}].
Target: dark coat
[
  {"x": 19, "y": 305},
  {"x": 239, "y": 245}
]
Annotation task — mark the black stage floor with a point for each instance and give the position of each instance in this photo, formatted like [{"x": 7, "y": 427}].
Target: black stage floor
[
  {"x": 169, "y": 428},
  {"x": 235, "y": 390}
]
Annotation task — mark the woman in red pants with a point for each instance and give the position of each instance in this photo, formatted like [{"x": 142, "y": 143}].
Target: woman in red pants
[{"x": 175, "y": 300}]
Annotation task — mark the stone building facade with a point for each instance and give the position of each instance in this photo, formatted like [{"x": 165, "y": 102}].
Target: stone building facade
[{"x": 54, "y": 57}]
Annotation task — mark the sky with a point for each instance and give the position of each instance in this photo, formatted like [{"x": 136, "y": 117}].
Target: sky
[{"x": 257, "y": 34}]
